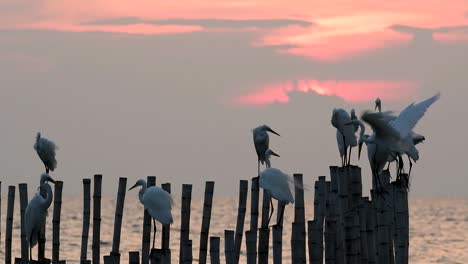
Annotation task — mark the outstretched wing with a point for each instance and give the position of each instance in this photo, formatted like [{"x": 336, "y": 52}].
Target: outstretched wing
[{"x": 410, "y": 116}]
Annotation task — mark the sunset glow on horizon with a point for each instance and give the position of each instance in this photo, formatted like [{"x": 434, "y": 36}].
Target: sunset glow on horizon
[{"x": 350, "y": 91}]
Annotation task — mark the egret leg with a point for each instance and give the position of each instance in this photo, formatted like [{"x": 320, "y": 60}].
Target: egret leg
[
  {"x": 410, "y": 166},
  {"x": 345, "y": 150},
  {"x": 272, "y": 210},
  {"x": 258, "y": 167},
  {"x": 154, "y": 231},
  {"x": 47, "y": 170},
  {"x": 349, "y": 158}
]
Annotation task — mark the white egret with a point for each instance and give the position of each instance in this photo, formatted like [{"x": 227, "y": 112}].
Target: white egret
[
  {"x": 157, "y": 202},
  {"x": 277, "y": 184},
  {"x": 262, "y": 142},
  {"x": 36, "y": 213},
  {"x": 46, "y": 150},
  {"x": 339, "y": 120}
]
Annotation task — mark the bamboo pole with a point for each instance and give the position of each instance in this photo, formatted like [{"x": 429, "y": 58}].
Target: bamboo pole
[
  {"x": 115, "y": 253},
  {"x": 185, "y": 218},
  {"x": 255, "y": 190},
  {"x": 9, "y": 223},
  {"x": 134, "y": 257},
  {"x": 229, "y": 246},
  {"x": 340, "y": 192},
  {"x": 214, "y": 250},
  {"x": 146, "y": 235},
  {"x": 42, "y": 234},
  {"x": 372, "y": 231},
  {"x": 401, "y": 220},
  {"x": 242, "y": 208},
  {"x": 315, "y": 242},
  {"x": 299, "y": 221},
  {"x": 277, "y": 244},
  {"x": 264, "y": 232},
  {"x": 363, "y": 230},
  {"x": 251, "y": 241},
  {"x": 97, "y": 218},
  {"x": 56, "y": 221},
  {"x": 320, "y": 201},
  {"x": 86, "y": 219},
  {"x": 205, "y": 226},
  {"x": 330, "y": 240},
  {"x": 166, "y": 234},
  {"x": 23, "y": 195},
  {"x": 188, "y": 257}
]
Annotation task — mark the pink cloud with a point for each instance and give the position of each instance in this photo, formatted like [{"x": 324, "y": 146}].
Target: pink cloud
[{"x": 351, "y": 91}]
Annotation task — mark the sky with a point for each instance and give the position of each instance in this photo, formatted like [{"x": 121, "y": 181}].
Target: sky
[{"x": 174, "y": 88}]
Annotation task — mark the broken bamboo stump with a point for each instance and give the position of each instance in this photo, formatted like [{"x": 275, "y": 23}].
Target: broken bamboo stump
[
  {"x": 23, "y": 195},
  {"x": 229, "y": 238},
  {"x": 134, "y": 257},
  {"x": 214, "y": 250},
  {"x": 242, "y": 208},
  {"x": 298, "y": 240},
  {"x": 9, "y": 223},
  {"x": 205, "y": 226},
  {"x": 251, "y": 242},
  {"x": 96, "y": 246},
  {"x": 264, "y": 231},
  {"x": 56, "y": 221},
  {"x": 86, "y": 220},
  {"x": 401, "y": 220},
  {"x": 185, "y": 219},
  {"x": 119, "y": 207},
  {"x": 166, "y": 234}
]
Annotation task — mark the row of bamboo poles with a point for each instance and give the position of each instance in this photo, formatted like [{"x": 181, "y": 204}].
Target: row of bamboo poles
[{"x": 347, "y": 228}]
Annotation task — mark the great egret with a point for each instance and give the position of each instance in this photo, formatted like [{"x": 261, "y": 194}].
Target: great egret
[
  {"x": 36, "y": 212},
  {"x": 262, "y": 142},
  {"x": 46, "y": 150},
  {"x": 339, "y": 120},
  {"x": 157, "y": 202},
  {"x": 396, "y": 134}
]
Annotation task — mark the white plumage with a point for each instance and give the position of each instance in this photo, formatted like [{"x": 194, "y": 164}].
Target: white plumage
[
  {"x": 277, "y": 184},
  {"x": 348, "y": 138},
  {"x": 36, "y": 212},
  {"x": 46, "y": 150},
  {"x": 157, "y": 202}
]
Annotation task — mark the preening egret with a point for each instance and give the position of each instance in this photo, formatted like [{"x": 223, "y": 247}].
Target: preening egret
[
  {"x": 36, "y": 213},
  {"x": 46, "y": 151},
  {"x": 378, "y": 104},
  {"x": 157, "y": 202},
  {"x": 339, "y": 120},
  {"x": 262, "y": 142}
]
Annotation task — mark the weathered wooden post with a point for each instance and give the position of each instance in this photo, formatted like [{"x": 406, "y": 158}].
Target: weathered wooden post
[
  {"x": 86, "y": 220},
  {"x": 401, "y": 220},
  {"x": 96, "y": 246},
  {"x": 115, "y": 253},
  {"x": 166, "y": 234},
  {"x": 242, "y": 208},
  {"x": 264, "y": 231},
  {"x": 298, "y": 241},
  {"x": 205, "y": 226},
  {"x": 9, "y": 223},
  {"x": 134, "y": 257},
  {"x": 23, "y": 195},
  {"x": 214, "y": 250},
  {"x": 251, "y": 242},
  {"x": 229, "y": 246},
  {"x": 185, "y": 219},
  {"x": 56, "y": 222},
  {"x": 147, "y": 221}
]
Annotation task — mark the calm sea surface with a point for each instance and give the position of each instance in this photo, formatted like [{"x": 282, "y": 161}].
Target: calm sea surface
[{"x": 438, "y": 232}]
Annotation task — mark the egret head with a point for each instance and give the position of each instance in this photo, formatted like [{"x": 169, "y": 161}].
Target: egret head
[
  {"x": 140, "y": 182},
  {"x": 267, "y": 128},
  {"x": 45, "y": 178},
  {"x": 361, "y": 142}
]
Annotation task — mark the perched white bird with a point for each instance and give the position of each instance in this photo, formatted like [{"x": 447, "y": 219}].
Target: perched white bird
[
  {"x": 157, "y": 202},
  {"x": 262, "y": 142},
  {"x": 46, "y": 151},
  {"x": 277, "y": 184},
  {"x": 339, "y": 120},
  {"x": 36, "y": 212}
]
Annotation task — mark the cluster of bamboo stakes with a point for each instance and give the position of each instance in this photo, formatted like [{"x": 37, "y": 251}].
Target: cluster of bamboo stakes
[{"x": 347, "y": 228}]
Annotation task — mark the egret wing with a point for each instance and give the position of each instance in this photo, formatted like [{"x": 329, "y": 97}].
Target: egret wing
[
  {"x": 410, "y": 116},
  {"x": 381, "y": 123},
  {"x": 277, "y": 183},
  {"x": 159, "y": 203}
]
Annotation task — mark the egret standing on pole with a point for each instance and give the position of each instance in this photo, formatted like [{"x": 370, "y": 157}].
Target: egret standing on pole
[
  {"x": 36, "y": 213},
  {"x": 46, "y": 150},
  {"x": 157, "y": 202},
  {"x": 339, "y": 120},
  {"x": 262, "y": 142}
]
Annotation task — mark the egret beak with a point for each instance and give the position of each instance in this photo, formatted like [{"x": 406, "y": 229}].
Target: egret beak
[
  {"x": 133, "y": 187},
  {"x": 359, "y": 151},
  {"x": 274, "y": 154},
  {"x": 349, "y": 123},
  {"x": 272, "y": 131}
]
